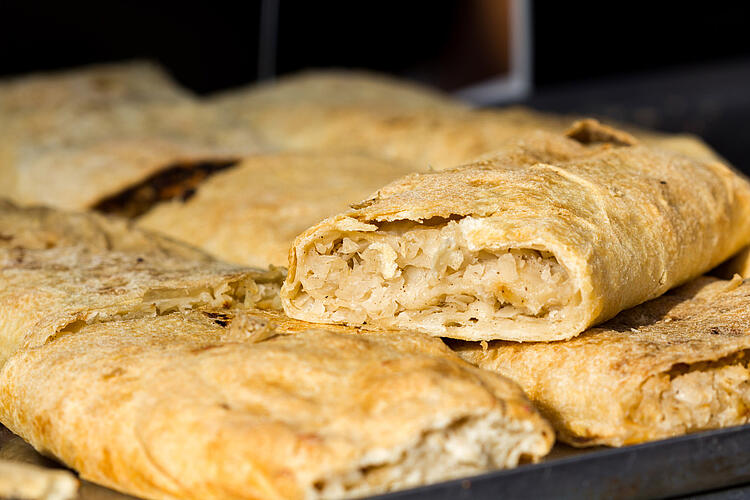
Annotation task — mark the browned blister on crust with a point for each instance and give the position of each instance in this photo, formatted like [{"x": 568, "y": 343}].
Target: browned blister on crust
[
  {"x": 536, "y": 242},
  {"x": 674, "y": 365}
]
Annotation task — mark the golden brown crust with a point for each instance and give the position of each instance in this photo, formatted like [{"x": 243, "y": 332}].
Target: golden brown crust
[
  {"x": 333, "y": 89},
  {"x": 40, "y": 228},
  {"x": 628, "y": 223},
  {"x": 251, "y": 213},
  {"x": 594, "y": 387}
]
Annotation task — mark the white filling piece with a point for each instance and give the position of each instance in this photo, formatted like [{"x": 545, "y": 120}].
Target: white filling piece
[
  {"x": 408, "y": 274},
  {"x": 464, "y": 448},
  {"x": 706, "y": 396}
]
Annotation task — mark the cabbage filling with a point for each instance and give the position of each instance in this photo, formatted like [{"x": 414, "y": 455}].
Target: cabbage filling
[
  {"x": 428, "y": 274},
  {"x": 700, "y": 396}
]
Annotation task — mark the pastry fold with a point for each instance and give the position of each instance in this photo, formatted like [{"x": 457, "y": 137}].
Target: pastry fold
[
  {"x": 89, "y": 87},
  {"x": 536, "y": 242},
  {"x": 674, "y": 365}
]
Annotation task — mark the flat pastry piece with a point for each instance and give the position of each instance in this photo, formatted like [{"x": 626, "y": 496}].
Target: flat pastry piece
[
  {"x": 64, "y": 284},
  {"x": 31, "y": 482},
  {"x": 674, "y": 365},
  {"x": 251, "y": 213},
  {"x": 537, "y": 242},
  {"x": 179, "y": 406}
]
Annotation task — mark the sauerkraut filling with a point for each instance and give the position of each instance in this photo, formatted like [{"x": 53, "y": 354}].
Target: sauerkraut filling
[
  {"x": 470, "y": 446},
  {"x": 702, "y": 396},
  {"x": 409, "y": 273}
]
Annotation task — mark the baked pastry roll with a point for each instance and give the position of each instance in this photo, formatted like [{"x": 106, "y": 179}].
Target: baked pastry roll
[
  {"x": 251, "y": 213},
  {"x": 179, "y": 406},
  {"x": 537, "y": 242},
  {"x": 674, "y": 365},
  {"x": 44, "y": 228}
]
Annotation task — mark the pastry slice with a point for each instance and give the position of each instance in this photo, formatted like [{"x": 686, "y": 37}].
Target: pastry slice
[
  {"x": 534, "y": 243},
  {"x": 181, "y": 405},
  {"x": 674, "y": 365}
]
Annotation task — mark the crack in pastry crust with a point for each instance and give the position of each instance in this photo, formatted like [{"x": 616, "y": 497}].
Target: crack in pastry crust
[{"x": 177, "y": 182}]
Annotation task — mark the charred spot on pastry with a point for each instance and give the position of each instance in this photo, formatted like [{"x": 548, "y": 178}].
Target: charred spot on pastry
[
  {"x": 221, "y": 319},
  {"x": 178, "y": 182}
]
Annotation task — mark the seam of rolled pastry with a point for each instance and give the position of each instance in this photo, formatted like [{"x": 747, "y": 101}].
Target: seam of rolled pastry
[{"x": 462, "y": 289}]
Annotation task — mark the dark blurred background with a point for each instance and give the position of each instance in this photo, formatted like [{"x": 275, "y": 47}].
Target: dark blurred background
[{"x": 667, "y": 65}]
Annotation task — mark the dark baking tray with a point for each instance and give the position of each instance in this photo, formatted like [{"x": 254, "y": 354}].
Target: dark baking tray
[{"x": 707, "y": 461}]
